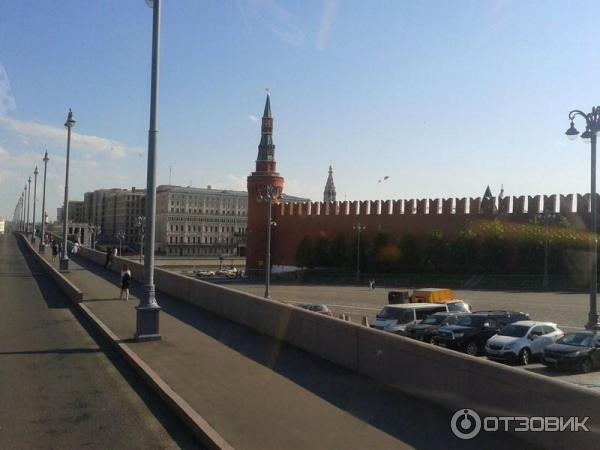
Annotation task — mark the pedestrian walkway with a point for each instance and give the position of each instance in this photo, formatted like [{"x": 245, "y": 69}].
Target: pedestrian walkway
[
  {"x": 259, "y": 393},
  {"x": 58, "y": 387}
]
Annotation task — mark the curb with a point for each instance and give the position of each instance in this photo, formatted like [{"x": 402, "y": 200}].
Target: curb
[{"x": 206, "y": 434}]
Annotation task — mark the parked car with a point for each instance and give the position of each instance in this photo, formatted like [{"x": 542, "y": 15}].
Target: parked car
[
  {"x": 520, "y": 341},
  {"x": 395, "y": 318},
  {"x": 205, "y": 273},
  {"x": 427, "y": 328},
  {"x": 576, "y": 350},
  {"x": 471, "y": 331},
  {"x": 321, "y": 309}
]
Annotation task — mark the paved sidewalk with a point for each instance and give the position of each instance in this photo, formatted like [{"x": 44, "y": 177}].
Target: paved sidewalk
[
  {"x": 261, "y": 394},
  {"x": 59, "y": 387}
]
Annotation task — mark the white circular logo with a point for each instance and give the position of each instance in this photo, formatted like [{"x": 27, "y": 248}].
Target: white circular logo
[{"x": 465, "y": 424}]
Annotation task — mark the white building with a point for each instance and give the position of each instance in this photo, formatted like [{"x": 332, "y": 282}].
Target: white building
[
  {"x": 199, "y": 222},
  {"x": 1, "y": 225}
]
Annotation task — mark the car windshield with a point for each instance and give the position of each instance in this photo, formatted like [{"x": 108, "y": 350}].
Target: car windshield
[
  {"x": 433, "y": 320},
  {"x": 400, "y": 315},
  {"x": 514, "y": 330},
  {"x": 577, "y": 339},
  {"x": 470, "y": 321}
]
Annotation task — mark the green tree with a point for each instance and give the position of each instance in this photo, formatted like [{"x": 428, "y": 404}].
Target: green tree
[
  {"x": 304, "y": 254},
  {"x": 494, "y": 248},
  {"x": 338, "y": 252},
  {"x": 435, "y": 250},
  {"x": 409, "y": 251},
  {"x": 321, "y": 253},
  {"x": 464, "y": 251}
]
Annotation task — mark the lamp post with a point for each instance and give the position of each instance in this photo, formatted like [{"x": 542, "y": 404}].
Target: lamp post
[
  {"x": 546, "y": 216},
  {"x": 269, "y": 195},
  {"x": 93, "y": 231},
  {"x": 64, "y": 260},
  {"x": 42, "y": 247},
  {"x": 121, "y": 236},
  {"x": 23, "y": 199},
  {"x": 147, "y": 323},
  {"x": 592, "y": 128},
  {"x": 35, "y": 173},
  {"x": 28, "y": 202},
  {"x": 359, "y": 228}
]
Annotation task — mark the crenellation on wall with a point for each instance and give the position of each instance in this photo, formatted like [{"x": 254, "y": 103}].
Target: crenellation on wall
[
  {"x": 364, "y": 208},
  {"x": 422, "y": 206},
  {"x": 475, "y": 205},
  {"x": 448, "y": 206},
  {"x": 583, "y": 204},
  {"x": 550, "y": 203},
  {"x": 462, "y": 206},
  {"x": 374, "y": 206},
  {"x": 520, "y": 205},
  {"x": 386, "y": 207},
  {"x": 397, "y": 207},
  {"x": 504, "y": 205},
  {"x": 534, "y": 204},
  {"x": 566, "y": 203}
]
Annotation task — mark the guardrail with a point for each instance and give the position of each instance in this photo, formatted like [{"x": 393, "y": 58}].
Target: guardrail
[{"x": 450, "y": 379}]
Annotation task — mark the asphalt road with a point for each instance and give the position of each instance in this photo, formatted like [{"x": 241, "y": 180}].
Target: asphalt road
[{"x": 60, "y": 386}]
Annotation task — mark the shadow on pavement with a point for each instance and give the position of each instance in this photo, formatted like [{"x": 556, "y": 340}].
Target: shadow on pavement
[
  {"x": 171, "y": 423},
  {"x": 48, "y": 289},
  {"x": 398, "y": 414},
  {"x": 57, "y": 351}
]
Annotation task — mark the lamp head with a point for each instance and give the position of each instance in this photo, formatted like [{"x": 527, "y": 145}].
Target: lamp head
[
  {"x": 35, "y": 172},
  {"x": 572, "y": 132},
  {"x": 70, "y": 123},
  {"x": 46, "y": 159},
  {"x": 586, "y": 136}
]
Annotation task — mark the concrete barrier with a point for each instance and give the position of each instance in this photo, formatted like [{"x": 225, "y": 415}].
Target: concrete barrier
[
  {"x": 450, "y": 379},
  {"x": 66, "y": 287}
]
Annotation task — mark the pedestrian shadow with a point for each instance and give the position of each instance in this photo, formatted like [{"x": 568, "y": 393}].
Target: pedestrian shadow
[
  {"x": 50, "y": 292},
  {"x": 407, "y": 418}
]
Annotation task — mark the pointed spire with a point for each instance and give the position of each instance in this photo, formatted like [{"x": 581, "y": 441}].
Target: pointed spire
[
  {"x": 488, "y": 193},
  {"x": 267, "y": 112},
  {"x": 329, "y": 193},
  {"x": 266, "y": 148}
]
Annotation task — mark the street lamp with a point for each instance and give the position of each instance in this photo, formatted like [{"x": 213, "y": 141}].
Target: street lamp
[
  {"x": 359, "y": 228},
  {"x": 24, "y": 197},
  {"x": 64, "y": 260},
  {"x": 35, "y": 173},
  {"x": 269, "y": 195},
  {"x": 546, "y": 216},
  {"x": 121, "y": 236},
  {"x": 93, "y": 231},
  {"x": 592, "y": 121},
  {"x": 42, "y": 247},
  {"x": 147, "y": 325},
  {"x": 28, "y": 202}
]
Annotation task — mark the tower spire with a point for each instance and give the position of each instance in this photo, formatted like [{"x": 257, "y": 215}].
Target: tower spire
[
  {"x": 266, "y": 148},
  {"x": 329, "y": 194}
]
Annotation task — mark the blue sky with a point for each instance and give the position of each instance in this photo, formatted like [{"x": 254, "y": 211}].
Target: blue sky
[{"x": 443, "y": 97}]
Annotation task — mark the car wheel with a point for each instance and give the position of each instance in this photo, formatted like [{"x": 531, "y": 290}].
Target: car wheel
[
  {"x": 524, "y": 356},
  {"x": 472, "y": 348},
  {"x": 586, "y": 365}
]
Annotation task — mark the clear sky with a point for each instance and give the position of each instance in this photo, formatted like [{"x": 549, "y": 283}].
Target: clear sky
[{"x": 443, "y": 97}]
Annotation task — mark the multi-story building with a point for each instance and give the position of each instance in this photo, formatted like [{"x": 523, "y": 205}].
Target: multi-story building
[
  {"x": 121, "y": 213},
  {"x": 94, "y": 205},
  {"x": 198, "y": 222},
  {"x": 76, "y": 212}
]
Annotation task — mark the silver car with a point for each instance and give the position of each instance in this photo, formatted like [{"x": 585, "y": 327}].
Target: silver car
[{"x": 520, "y": 341}]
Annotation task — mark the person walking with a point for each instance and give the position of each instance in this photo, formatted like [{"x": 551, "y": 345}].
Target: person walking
[
  {"x": 54, "y": 250},
  {"x": 75, "y": 248},
  {"x": 108, "y": 261},
  {"x": 125, "y": 280}
]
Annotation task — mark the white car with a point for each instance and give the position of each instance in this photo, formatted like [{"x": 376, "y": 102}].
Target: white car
[
  {"x": 520, "y": 341},
  {"x": 395, "y": 318},
  {"x": 205, "y": 273}
]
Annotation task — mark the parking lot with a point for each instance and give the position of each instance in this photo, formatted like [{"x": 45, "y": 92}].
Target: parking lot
[{"x": 568, "y": 310}]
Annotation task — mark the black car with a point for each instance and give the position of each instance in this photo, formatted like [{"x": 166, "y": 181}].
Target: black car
[
  {"x": 471, "y": 331},
  {"x": 576, "y": 350},
  {"x": 427, "y": 328}
]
